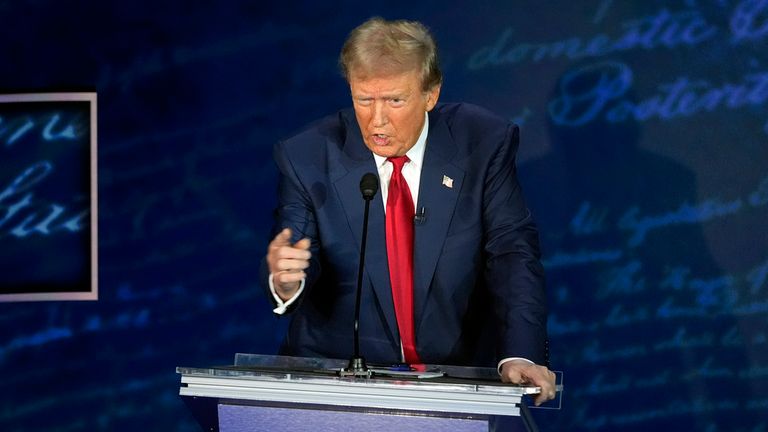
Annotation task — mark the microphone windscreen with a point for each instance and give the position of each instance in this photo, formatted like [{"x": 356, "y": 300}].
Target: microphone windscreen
[{"x": 369, "y": 185}]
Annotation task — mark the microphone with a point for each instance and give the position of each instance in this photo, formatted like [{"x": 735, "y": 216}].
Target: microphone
[
  {"x": 369, "y": 185},
  {"x": 420, "y": 217}
]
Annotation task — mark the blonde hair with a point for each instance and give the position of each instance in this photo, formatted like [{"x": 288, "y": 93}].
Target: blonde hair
[{"x": 379, "y": 47}]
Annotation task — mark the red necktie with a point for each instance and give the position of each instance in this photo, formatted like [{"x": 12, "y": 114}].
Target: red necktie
[{"x": 399, "y": 229}]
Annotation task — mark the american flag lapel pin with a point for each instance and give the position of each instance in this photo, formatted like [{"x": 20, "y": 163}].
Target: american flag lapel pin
[{"x": 447, "y": 182}]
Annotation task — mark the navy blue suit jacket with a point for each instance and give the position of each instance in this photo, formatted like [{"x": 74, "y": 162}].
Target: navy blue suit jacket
[{"x": 478, "y": 282}]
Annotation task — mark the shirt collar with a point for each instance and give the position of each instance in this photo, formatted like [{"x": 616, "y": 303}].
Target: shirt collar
[{"x": 416, "y": 153}]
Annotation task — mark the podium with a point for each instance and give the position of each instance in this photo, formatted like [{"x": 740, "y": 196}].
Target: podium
[{"x": 278, "y": 393}]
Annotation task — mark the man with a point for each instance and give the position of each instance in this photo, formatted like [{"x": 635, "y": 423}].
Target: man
[{"x": 452, "y": 271}]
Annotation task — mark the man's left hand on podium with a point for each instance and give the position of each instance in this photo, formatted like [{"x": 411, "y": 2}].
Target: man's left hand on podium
[{"x": 522, "y": 372}]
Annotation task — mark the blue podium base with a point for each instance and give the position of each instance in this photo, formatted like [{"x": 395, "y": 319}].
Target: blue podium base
[{"x": 242, "y": 418}]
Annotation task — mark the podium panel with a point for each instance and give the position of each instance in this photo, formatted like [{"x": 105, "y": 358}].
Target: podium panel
[{"x": 240, "y": 418}]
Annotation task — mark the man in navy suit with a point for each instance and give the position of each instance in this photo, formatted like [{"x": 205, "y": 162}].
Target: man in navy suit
[{"x": 468, "y": 287}]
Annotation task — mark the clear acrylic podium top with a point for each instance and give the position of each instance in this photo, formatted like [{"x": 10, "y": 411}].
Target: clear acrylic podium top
[{"x": 282, "y": 379}]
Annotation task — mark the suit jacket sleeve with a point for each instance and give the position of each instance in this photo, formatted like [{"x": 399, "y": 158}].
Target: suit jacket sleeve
[
  {"x": 294, "y": 210},
  {"x": 513, "y": 272}
]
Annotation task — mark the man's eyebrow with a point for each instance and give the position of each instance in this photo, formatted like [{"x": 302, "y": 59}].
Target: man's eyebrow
[{"x": 385, "y": 96}]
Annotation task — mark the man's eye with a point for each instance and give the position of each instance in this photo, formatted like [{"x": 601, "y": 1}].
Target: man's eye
[{"x": 397, "y": 102}]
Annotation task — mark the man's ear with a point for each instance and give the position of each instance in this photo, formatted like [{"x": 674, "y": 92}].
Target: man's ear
[{"x": 433, "y": 95}]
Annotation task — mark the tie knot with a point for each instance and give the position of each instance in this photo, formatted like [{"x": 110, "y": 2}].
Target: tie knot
[{"x": 398, "y": 162}]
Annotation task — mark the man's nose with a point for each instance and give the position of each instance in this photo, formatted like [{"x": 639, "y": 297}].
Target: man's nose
[{"x": 380, "y": 117}]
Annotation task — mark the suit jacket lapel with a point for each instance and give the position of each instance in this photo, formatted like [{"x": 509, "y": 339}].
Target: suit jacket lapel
[
  {"x": 358, "y": 160},
  {"x": 439, "y": 189}
]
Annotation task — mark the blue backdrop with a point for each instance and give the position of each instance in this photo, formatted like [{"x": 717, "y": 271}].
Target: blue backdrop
[{"x": 644, "y": 158}]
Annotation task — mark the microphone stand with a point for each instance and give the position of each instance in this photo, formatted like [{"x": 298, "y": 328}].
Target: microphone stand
[{"x": 357, "y": 366}]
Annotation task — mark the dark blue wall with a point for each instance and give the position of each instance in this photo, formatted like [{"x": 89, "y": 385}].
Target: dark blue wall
[{"x": 644, "y": 157}]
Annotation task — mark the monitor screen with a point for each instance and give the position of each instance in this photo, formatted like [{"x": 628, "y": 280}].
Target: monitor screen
[{"x": 48, "y": 197}]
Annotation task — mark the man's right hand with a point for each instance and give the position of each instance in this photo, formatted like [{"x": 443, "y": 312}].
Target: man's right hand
[{"x": 287, "y": 262}]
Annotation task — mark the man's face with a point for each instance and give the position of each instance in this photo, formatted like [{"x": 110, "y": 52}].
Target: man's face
[{"x": 390, "y": 111}]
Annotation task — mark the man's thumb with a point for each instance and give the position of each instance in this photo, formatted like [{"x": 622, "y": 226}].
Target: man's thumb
[{"x": 303, "y": 244}]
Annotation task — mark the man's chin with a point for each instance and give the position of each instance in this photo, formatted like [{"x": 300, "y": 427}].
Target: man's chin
[{"x": 386, "y": 151}]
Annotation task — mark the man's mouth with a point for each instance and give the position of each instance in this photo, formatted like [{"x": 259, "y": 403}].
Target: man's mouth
[{"x": 380, "y": 139}]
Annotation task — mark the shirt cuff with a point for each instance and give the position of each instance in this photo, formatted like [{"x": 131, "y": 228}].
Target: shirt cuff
[
  {"x": 504, "y": 360},
  {"x": 282, "y": 306}
]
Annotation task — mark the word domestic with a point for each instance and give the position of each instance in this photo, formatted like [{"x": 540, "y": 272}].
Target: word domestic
[{"x": 664, "y": 29}]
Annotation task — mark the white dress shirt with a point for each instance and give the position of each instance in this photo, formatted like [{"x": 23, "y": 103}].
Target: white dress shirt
[{"x": 411, "y": 170}]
